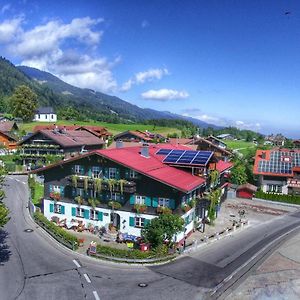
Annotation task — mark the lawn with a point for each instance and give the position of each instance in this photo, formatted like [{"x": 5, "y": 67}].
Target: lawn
[
  {"x": 239, "y": 144},
  {"x": 113, "y": 128},
  {"x": 38, "y": 193}
]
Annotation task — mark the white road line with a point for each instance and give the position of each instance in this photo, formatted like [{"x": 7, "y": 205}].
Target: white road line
[
  {"x": 23, "y": 182},
  {"x": 76, "y": 263},
  {"x": 96, "y": 295},
  {"x": 87, "y": 278}
]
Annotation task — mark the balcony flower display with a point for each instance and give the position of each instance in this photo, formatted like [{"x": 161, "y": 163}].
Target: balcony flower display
[
  {"x": 55, "y": 196},
  {"x": 140, "y": 208},
  {"x": 163, "y": 210}
]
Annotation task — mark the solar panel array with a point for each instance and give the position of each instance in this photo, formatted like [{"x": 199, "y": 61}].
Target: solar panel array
[
  {"x": 277, "y": 165},
  {"x": 185, "y": 157}
]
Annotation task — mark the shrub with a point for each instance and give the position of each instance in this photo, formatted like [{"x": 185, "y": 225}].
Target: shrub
[
  {"x": 56, "y": 230},
  {"x": 292, "y": 199}
]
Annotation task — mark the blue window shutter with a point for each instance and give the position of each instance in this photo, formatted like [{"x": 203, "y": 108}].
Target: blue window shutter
[
  {"x": 117, "y": 173},
  {"x": 50, "y": 188},
  {"x": 86, "y": 214},
  {"x": 62, "y": 190},
  {"x": 82, "y": 170},
  {"x": 62, "y": 210},
  {"x": 132, "y": 199},
  {"x": 172, "y": 203},
  {"x": 90, "y": 172},
  {"x": 126, "y": 173},
  {"x": 100, "y": 216},
  {"x": 74, "y": 211},
  {"x": 51, "y": 207},
  {"x": 131, "y": 221},
  {"x": 106, "y": 172},
  {"x": 154, "y": 202},
  {"x": 148, "y": 201}
]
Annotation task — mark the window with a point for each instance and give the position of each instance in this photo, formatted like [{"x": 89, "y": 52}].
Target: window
[
  {"x": 57, "y": 208},
  {"x": 79, "y": 169},
  {"x": 139, "y": 222},
  {"x": 274, "y": 188},
  {"x": 112, "y": 173},
  {"x": 163, "y": 202},
  {"x": 52, "y": 117},
  {"x": 56, "y": 188},
  {"x": 132, "y": 174},
  {"x": 94, "y": 214},
  {"x": 79, "y": 212},
  {"x": 46, "y": 116},
  {"x": 96, "y": 172},
  {"x": 115, "y": 196},
  {"x": 140, "y": 199},
  {"x": 39, "y": 116},
  {"x": 80, "y": 192}
]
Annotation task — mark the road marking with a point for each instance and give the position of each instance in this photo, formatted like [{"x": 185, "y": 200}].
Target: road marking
[
  {"x": 87, "y": 278},
  {"x": 23, "y": 182},
  {"x": 76, "y": 263},
  {"x": 96, "y": 295}
]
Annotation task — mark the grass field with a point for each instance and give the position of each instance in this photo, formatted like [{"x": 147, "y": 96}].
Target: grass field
[
  {"x": 113, "y": 128},
  {"x": 39, "y": 193},
  {"x": 239, "y": 144}
]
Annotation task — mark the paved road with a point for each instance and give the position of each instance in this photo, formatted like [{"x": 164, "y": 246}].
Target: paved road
[{"x": 33, "y": 266}]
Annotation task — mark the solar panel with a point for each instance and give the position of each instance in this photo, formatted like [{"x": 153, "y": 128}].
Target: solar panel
[
  {"x": 188, "y": 157},
  {"x": 163, "y": 151}
]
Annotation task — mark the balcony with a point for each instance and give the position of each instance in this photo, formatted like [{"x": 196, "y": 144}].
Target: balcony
[
  {"x": 293, "y": 183},
  {"x": 118, "y": 186}
]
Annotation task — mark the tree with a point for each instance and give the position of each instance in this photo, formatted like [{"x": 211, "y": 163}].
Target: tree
[
  {"x": 238, "y": 174},
  {"x": 23, "y": 103},
  {"x": 214, "y": 198},
  {"x": 165, "y": 227},
  {"x": 3, "y": 215}
]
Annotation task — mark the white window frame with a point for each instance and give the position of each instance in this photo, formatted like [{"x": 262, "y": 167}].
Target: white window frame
[
  {"x": 80, "y": 192},
  {"x": 77, "y": 169},
  {"x": 112, "y": 173},
  {"x": 96, "y": 174},
  {"x": 80, "y": 212},
  {"x": 140, "y": 199},
  {"x": 57, "y": 208},
  {"x": 139, "y": 222},
  {"x": 56, "y": 188},
  {"x": 94, "y": 214},
  {"x": 164, "y": 202},
  {"x": 274, "y": 188},
  {"x": 133, "y": 174},
  {"x": 116, "y": 196}
]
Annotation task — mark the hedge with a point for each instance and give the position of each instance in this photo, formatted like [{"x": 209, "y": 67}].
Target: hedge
[
  {"x": 130, "y": 253},
  {"x": 56, "y": 230},
  {"x": 292, "y": 199}
]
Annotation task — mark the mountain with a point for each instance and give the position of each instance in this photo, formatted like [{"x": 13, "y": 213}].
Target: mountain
[{"x": 54, "y": 92}]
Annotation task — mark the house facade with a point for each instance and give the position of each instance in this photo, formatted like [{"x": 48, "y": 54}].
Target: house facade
[
  {"x": 45, "y": 114},
  {"x": 126, "y": 187},
  {"x": 278, "y": 170}
]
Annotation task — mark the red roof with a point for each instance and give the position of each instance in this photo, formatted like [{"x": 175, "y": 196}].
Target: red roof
[
  {"x": 152, "y": 166},
  {"x": 222, "y": 166}
]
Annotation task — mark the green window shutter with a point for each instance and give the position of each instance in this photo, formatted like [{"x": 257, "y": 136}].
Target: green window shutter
[
  {"x": 51, "y": 207},
  {"x": 62, "y": 210},
  {"x": 172, "y": 203},
  {"x": 73, "y": 211},
  {"x": 86, "y": 214},
  {"x": 155, "y": 202},
  {"x": 117, "y": 173},
  {"x": 148, "y": 201},
  {"x": 131, "y": 221},
  {"x": 50, "y": 188},
  {"x": 146, "y": 222},
  {"x": 90, "y": 172},
  {"x": 126, "y": 173},
  {"x": 132, "y": 199},
  {"x": 100, "y": 216},
  {"x": 62, "y": 190}
]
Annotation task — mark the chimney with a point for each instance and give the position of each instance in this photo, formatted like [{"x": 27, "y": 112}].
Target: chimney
[
  {"x": 119, "y": 144},
  {"x": 263, "y": 155},
  {"x": 145, "y": 150}
]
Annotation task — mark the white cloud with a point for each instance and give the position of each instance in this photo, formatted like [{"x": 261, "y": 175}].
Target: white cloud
[
  {"x": 5, "y": 8},
  {"x": 46, "y": 47},
  {"x": 164, "y": 95},
  {"x": 142, "y": 77}
]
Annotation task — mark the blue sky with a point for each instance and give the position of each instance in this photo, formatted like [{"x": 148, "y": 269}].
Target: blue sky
[{"x": 224, "y": 62}]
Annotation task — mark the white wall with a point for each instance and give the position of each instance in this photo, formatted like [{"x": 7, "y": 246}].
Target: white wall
[
  {"x": 45, "y": 117},
  {"x": 283, "y": 183}
]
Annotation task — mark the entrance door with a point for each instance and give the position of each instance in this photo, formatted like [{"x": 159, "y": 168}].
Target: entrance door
[{"x": 115, "y": 220}]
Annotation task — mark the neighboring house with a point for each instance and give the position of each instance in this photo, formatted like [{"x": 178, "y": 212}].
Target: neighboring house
[
  {"x": 278, "y": 170},
  {"x": 183, "y": 141},
  {"x": 138, "y": 136},
  {"x": 246, "y": 191},
  {"x": 226, "y": 136},
  {"x": 64, "y": 143},
  {"x": 296, "y": 143},
  {"x": 45, "y": 114},
  {"x": 275, "y": 140},
  {"x": 8, "y": 140},
  {"x": 216, "y": 141},
  {"x": 98, "y": 131},
  {"x": 144, "y": 180},
  {"x": 9, "y": 126}
]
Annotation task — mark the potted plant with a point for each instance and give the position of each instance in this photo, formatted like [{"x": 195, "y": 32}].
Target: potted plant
[
  {"x": 114, "y": 204},
  {"x": 185, "y": 207},
  {"x": 140, "y": 208},
  {"x": 93, "y": 202},
  {"x": 79, "y": 200},
  {"x": 98, "y": 185},
  {"x": 74, "y": 181},
  {"x": 85, "y": 183},
  {"x": 164, "y": 210}
]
